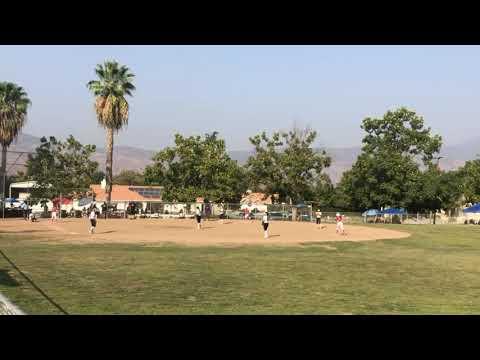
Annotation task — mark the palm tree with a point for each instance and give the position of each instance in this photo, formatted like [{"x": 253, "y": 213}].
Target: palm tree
[
  {"x": 13, "y": 116},
  {"x": 114, "y": 82}
]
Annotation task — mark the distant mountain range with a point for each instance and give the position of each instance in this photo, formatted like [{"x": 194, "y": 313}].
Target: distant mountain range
[
  {"x": 132, "y": 158},
  {"x": 125, "y": 157}
]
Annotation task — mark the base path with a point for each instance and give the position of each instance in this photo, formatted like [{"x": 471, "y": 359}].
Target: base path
[{"x": 183, "y": 231}]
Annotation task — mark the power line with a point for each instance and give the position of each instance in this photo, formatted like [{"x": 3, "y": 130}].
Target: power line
[{"x": 48, "y": 298}]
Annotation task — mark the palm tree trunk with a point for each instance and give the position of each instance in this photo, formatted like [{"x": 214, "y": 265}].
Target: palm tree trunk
[
  {"x": 108, "y": 165},
  {"x": 3, "y": 174}
]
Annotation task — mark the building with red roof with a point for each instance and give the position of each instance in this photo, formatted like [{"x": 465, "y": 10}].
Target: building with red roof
[{"x": 128, "y": 193}]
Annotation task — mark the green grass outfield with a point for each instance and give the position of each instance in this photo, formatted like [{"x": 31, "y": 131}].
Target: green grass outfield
[{"x": 436, "y": 271}]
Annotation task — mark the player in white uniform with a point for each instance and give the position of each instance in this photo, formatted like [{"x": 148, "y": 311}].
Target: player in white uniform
[
  {"x": 93, "y": 219},
  {"x": 54, "y": 213},
  {"x": 339, "y": 220},
  {"x": 265, "y": 225}
]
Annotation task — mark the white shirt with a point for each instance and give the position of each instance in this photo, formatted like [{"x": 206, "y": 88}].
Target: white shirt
[
  {"x": 197, "y": 212},
  {"x": 265, "y": 219},
  {"x": 93, "y": 215}
]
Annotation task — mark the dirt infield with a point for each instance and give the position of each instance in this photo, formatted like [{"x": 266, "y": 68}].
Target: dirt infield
[{"x": 156, "y": 231}]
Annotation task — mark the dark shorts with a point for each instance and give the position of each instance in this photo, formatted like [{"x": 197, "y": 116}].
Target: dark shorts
[
  {"x": 199, "y": 218},
  {"x": 93, "y": 222},
  {"x": 265, "y": 226}
]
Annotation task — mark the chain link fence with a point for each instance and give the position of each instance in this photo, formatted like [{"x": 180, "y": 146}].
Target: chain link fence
[{"x": 277, "y": 212}]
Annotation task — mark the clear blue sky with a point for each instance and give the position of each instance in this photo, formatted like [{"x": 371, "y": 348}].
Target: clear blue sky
[{"x": 242, "y": 90}]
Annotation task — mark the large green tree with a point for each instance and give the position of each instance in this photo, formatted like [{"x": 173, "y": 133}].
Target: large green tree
[
  {"x": 114, "y": 82},
  {"x": 129, "y": 177},
  {"x": 98, "y": 176},
  {"x": 323, "y": 192},
  {"x": 14, "y": 104},
  {"x": 61, "y": 168},
  {"x": 287, "y": 164},
  {"x": 438, "y": 190},
  {"x": 197, "y": 167},
  {"x": 470, "y": 181},
  {"x": 388, "y": 170},
  {"x": 376, "y": 181}
]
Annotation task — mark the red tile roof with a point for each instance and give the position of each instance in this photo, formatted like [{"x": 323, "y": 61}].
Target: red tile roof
[{"x": 119, "y": 193}]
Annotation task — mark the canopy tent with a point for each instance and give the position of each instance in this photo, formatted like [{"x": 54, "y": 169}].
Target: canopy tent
[
  {"x": 393, "y": 211},
  {"x": 371, "y": 212},
  {"x": 473, "y": 209}
]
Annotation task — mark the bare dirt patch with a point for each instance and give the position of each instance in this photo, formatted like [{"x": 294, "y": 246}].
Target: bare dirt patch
[{"x": 155, "y": 231}]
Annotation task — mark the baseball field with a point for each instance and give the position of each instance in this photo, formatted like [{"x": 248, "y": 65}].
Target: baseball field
[{"x": 168, "y": 267}]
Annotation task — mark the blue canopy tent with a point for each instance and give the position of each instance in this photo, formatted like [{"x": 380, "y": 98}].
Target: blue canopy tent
[
  {"x": 371, "y": 212},
  {"x": 473, "y": 209},
  {"x": 393, "y": 211}
]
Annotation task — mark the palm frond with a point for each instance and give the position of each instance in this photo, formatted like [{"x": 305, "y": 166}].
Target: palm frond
[
  {"x": 13, "y": 111},
  {"x": 113, "y": 84}
]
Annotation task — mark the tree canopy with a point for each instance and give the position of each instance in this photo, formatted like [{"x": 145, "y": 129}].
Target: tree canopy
[
  {"x": 129, "y": 177},
  {"x": 197, "y": 167},
  {"x": 61, "y": 168},
  {"x": 387, "y": 172},
  {"x": 438, "y": 190},
  {"x": 401, "y": 131},
  {"x": 98, "y": 176},
  {"x": 470, "y": 181},
  {"x": 287, "y": 164},
  {"x": 14, "y": 104}
]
